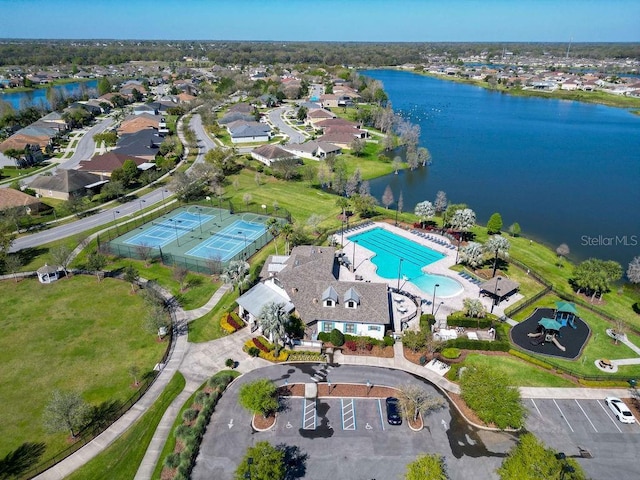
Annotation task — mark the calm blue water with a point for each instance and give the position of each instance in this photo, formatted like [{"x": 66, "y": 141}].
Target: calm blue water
[
  {"x": 389, "y": 248},
  {"x": 38, "y": 97},
  {"x": 567, "y": 172}
]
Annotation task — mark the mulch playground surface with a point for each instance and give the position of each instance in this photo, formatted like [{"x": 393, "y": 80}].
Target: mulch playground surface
[{"x": 573, "y": 339}]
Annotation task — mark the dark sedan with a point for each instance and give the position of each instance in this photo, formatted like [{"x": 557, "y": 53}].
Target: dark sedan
[{"x": 393, "y": 411}]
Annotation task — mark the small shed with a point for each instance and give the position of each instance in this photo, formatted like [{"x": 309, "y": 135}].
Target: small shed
[{"x": 47, "y": 274}]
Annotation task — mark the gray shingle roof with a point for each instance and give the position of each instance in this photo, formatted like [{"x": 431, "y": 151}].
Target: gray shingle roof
[
  {"x": 67, "y": 181},
  {"x": 310, "y": 272}
]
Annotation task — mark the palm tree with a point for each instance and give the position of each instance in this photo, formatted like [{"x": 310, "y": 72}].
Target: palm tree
[
  {"x": 274, "y": 228},
  {"x": 273, "y": 320},
  {"x": 287, "y": 232},
  {"x": 236, "y": 274}
]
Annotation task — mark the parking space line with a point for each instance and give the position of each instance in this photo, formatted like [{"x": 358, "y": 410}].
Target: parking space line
[
  {"x": 381, "y": 417},
  {"x": 537, "y": 409},
  {"x": 609, "y": 415},
  {"x": 309, "y": 415},
  {"x": 562, "y": 414},
  {"x": 585, "y": 414},
  {"x": 348, "y": 414}
]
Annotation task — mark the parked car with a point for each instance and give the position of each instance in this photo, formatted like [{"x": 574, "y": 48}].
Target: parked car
[
  {"x": 620, "y": 410},
  {"x": 393, "y": 411}
]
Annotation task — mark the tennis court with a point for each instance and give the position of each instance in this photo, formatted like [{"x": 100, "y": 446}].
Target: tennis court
[
  {"x": 167, "y": 230},
  {"x": 229, "y": 241}
]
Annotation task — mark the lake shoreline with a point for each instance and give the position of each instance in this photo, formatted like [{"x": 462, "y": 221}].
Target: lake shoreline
[{"x": 630, "y": 104}]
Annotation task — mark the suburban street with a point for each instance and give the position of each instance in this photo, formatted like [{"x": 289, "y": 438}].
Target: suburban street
[
  {"x": 275, "y": 117},
  {"x": 120, "y": 212}
]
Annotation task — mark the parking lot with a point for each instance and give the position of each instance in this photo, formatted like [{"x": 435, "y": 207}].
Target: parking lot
[
  {"x": 588, "y": 431},
  {"x": 335, "y": 415}
]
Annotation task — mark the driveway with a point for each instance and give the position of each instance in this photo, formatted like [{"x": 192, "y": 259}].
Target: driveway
[{"x": 344, "y": 437}]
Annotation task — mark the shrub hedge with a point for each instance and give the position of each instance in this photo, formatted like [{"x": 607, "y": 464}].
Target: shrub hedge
[
  {"x": 336, "y": 337},
  {"x": 191, "y": 436},
  {"x": 530, "y": 359},
  {"x": 450, "y": 353},
  {"x": 426, "y": 321},
  {"x": 468, "y": 344},
  {"x": 458, "y": 319}
]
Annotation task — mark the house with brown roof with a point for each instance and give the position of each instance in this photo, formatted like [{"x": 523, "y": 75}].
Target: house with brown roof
[
  {"x": 307, "y": 283},
  {"x": 11, "y": 198},
  {"x": 268, "y": 154},
  {"x": 135, "y": 123},
  {"x": 105, "y": 164}
]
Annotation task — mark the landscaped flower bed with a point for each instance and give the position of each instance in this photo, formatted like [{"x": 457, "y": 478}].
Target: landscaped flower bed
[
  {"x": 194, "y": 421},
  {"x": 307, "y": 357},
  {"x": 231, "y": 322},
  {"x": 260, "y": 346}
]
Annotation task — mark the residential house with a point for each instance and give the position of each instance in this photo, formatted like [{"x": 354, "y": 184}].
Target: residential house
[
  {"x": 14, "y": 199},
  {"x": 313, "y": 150},
  {"x": 246, "y": 132},
  {"x": 65, "y": 184},
  {"x": 103, "y": 165},
  {"x": 308, "y": 280},
  {"x": 315, "y": 116},
  {"x": 135, "y": 123},
  {"x": 145, "y": 108},
  {"x": 142, "y": 144},
  {"x": 268, "y": 154}
]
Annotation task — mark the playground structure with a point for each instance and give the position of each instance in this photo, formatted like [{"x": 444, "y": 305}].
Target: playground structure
[
  {"x": 549, "y": 328},
  {"x": 548, "y": 331}
]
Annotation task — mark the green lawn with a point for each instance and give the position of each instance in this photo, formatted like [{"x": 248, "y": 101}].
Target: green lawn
[
  {"x": 75, "y": 335},
  {"x": 122, "y": 458},
  {"x": 199, "y": 289},
  {"x": 520, "y": 373}
]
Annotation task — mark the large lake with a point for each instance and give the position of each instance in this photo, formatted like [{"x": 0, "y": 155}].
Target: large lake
[
  {"x": 567, "y": 172},
  {"x": 38, "y": 97}
]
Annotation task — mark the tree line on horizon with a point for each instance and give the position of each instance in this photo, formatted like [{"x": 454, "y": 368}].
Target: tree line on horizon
[{"x": 108, "y": 52}]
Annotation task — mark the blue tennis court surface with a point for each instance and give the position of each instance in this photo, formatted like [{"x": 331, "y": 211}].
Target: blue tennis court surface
[
  {"x": 229, "y": 241},
  {"x": 166, "y": 230}
]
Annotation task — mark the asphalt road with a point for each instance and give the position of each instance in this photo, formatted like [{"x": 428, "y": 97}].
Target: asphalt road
[
  {"x": 362, "y": 446},
  {"x": 275, "y": 117},
  {"x": 86, "y": 146},
  {"x": 121, "y": 212}
]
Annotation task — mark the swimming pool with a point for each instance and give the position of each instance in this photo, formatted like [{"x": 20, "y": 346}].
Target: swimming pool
[{"x": 390, "y": 249}]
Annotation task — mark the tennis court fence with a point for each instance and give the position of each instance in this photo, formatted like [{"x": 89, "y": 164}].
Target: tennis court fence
[{"x": 208, "y": 266}]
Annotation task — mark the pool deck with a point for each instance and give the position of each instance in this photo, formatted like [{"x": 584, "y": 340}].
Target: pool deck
[{"x": 366, "y": 269}]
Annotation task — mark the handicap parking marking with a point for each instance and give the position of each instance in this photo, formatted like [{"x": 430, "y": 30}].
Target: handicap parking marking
[
  {"x": 309, "y": 416},
  {"x": 348, "y": 414}
]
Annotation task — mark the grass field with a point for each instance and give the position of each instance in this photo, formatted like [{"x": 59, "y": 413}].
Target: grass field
[
  {"x": 74, "y": 335},
  {"x": 520, "y": 373},
  {"x": 122, "y": 458}
]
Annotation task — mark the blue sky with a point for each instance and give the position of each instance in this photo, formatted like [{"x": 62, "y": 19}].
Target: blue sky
[{"x": 326, "y": 20}]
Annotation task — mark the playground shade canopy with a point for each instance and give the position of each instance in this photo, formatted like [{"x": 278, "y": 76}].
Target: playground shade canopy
[
  {"x": 566, "y": 307},
  {"x": 550, "y": 324}
]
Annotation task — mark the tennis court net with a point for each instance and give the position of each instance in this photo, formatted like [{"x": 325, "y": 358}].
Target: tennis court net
[
  {"x": 239, "y": 238},
  {"x": 173, "y": 225}
]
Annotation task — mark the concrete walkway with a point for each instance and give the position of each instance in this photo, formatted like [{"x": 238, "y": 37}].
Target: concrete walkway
[{"x": 199, "y": 361}]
